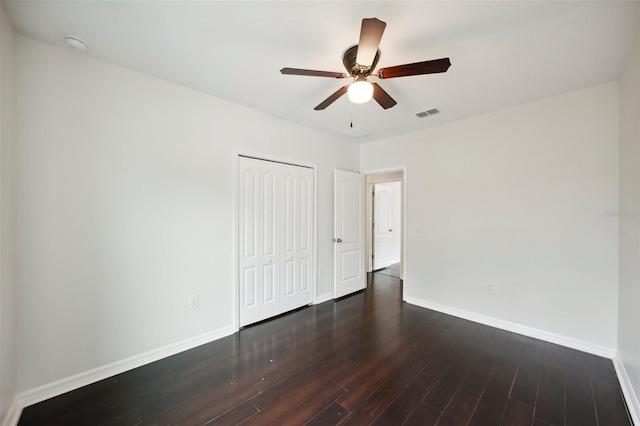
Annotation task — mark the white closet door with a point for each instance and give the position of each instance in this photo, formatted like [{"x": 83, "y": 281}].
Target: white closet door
[
  {"x": 297, "y": 238},
  {"x": 275, "y": 238},
  {"x": 270, "y": 228},
  {"x": 249, "y": 276}
]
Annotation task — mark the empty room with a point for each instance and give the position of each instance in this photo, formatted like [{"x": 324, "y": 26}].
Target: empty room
[{"x": 319, "y": 213}]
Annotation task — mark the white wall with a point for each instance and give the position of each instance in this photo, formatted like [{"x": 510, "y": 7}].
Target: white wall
[
  {"x": 125, "y": 208},
  {"x": 517, "y": 198},
  {"x": 629, "y": 232},
  {"x": 7, "y": 158}
]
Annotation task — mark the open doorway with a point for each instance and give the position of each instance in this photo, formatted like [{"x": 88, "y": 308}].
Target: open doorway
[{"x": 384, "y": 220}]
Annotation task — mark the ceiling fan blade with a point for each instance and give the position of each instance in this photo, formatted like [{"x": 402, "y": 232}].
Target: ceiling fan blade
[
  {"x": 382, "y": 97},
  {"x": 426, "y": 67},
  {"x": 331, "y": 99},
  {"x": 313, "y": 73},
  {"x": 370, "y": 36}
]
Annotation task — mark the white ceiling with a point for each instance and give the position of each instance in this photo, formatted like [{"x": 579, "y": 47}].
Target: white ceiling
[{"x": 503, "y": 53}]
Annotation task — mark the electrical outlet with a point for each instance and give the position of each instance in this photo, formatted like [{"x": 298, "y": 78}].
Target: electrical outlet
[
  {"x": 194, "y": 301},
  {"x": 491, "y": 288}
]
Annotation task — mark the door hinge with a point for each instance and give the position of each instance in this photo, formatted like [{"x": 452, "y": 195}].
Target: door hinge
[{"x": 373, "y": 256}]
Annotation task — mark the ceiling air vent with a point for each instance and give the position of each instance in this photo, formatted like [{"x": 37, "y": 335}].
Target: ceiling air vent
[
  {"x": 428, "y": 112},
  {"x": 356, "y": 132}
]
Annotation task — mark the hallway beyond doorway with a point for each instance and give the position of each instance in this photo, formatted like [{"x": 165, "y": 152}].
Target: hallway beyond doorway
[{"x": 392, "y": 270}]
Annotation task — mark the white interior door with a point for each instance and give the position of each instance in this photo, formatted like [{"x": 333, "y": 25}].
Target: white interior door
[
  {"x": 349, "y": 232},
  {"x": 382, "y": 226}
]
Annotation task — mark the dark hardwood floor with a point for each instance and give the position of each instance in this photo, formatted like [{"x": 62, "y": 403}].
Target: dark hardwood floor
[{"x": 365, "y": 359}]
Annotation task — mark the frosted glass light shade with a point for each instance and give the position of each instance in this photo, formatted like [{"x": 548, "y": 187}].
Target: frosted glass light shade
[{"x": 360, "y": 91}]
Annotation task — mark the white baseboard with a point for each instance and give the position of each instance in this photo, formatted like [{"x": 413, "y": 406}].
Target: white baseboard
[
  {"x": 627, "y": 390},
  {"x": 13, "y": 415},
  {"x": 323, "y": 298},
  {"x": 50, "y": 390},
  {"x": 558, "y": 339}
]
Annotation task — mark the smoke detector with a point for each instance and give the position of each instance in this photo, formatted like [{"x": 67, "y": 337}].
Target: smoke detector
[{"x": 76, "y": 44}]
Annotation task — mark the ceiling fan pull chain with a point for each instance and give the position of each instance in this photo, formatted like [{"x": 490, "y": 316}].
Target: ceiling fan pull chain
[{"x": 351, "y": 108}]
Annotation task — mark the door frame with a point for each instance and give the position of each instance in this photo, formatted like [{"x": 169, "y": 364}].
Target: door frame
[
  {"x": 369, "y": 216},
  {"x": 235, "y": 224}
]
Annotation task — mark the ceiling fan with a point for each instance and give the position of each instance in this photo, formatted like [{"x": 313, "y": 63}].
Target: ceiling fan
[{"x": 360, "y": 62}]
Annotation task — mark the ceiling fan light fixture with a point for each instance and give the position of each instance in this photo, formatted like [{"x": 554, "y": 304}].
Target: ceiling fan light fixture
[{"x": 360, "y": 91}]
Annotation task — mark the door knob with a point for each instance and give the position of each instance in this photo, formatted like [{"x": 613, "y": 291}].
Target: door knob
[
  {"x": 338, "y": 240},
  {"x": 290, "y": 257},
  {"x": 268, "y": 260},
  {"x": 390, "y": 230}
]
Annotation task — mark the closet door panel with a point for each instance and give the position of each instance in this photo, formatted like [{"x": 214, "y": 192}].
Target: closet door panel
[
  {"x": 306, "y": 235},
  {"x": 249, "y": 239},
  {"x": 290, "y": 234},
  {"x": 271, "y": 184},
  {"x": 299, "y": 231},
  {"x": 289, "y": 282},
  {"x": 305, "y": 282},
  {"x": 289, "y": 212}
]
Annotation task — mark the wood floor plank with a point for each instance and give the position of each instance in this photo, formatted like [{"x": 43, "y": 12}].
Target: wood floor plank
[
  {"x": 360, "y": 390},
  {"x": 235, "y": 416},
  {"x": 525, "y": 384},
  {"x": 407, "y": 401},
  {"x": 493, "y": 401},
  {"x": 579, "y": 398},
  {"x": 424, "y": 415},
  {"x": 130, "y": 418},
  {"x": 517, "y": 414},
  {"x": 316, "y": 375},
  {"x": 291, "y": 364},
  {"x": 463, "y": 403},
  {"x": 550, "y": 402},
  {"x": 309, "y": 408},
  {"x": 538, "y": 422},
  {"x": 384, "y": 395},
  {"x": 609, "y": 402},
  {"x": 444, "y": 390},
  {"x": 205, "y": 406},
  {"x": 513, "y": 350},
  {"x": 300, "y": 406},
  {"x": 364, "y": 379},
  {"x": 333, "y": 414}
]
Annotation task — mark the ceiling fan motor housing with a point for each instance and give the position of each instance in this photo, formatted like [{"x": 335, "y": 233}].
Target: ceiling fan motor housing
[{"x": 349, "y": 61}]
